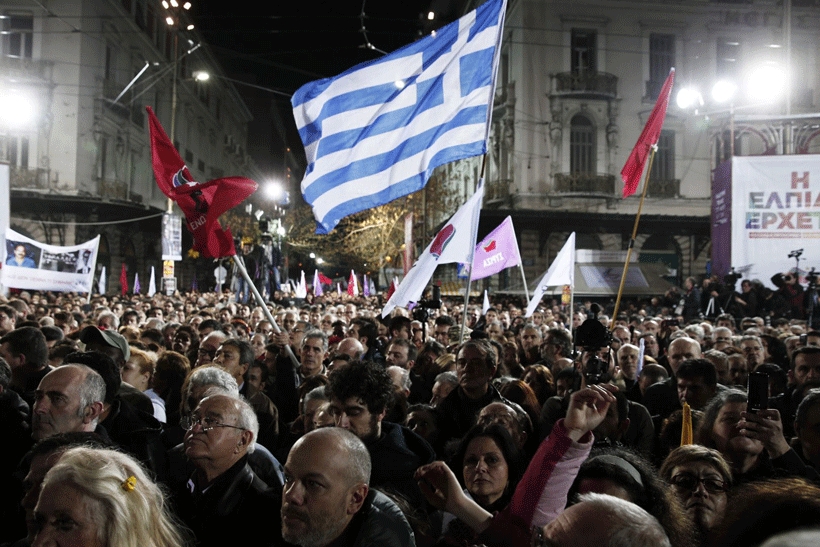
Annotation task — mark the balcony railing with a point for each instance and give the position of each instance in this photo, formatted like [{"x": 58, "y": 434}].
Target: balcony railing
[
  {"x": 497, "y": 190},
  {"x": 586, "y": 84},
  {"x": 585, "y": 183},
  {"x": 669, "y": 188},
  {"x": 22, "y": 178}
]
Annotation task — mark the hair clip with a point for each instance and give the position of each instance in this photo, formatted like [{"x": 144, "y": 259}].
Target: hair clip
[{"x": 129, "y": 484}]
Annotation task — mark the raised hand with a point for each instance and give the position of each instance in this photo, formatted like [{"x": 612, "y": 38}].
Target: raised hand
[{"x": 588, "y": 408}]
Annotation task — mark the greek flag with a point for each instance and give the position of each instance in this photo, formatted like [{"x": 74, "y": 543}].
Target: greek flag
[{"x": 376, "y": 132}]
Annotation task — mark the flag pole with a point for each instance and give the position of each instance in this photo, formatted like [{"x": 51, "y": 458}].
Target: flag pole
[
  {"x": 240, "y": 265},
  {"x": 634, "y": 235},
  {"x": 523, "y": 278},
  {"x": 470, "y": 262}
]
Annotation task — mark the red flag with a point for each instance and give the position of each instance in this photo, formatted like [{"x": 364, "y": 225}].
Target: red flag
[
  {"x": 123, "y": 280},
  {"x": 635, "y": 163},
  {"x": 352, "y": 285},
  {"x": 202, "y": 203},
  {"x": 390, "y": 290},
  {"x": 325, "y": 280}
]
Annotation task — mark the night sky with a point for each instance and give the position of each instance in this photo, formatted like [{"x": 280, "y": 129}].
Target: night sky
[{"x": 283, "y": 45}]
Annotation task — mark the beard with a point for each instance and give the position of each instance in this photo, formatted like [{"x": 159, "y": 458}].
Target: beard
[{"x": 317, "y": 530}]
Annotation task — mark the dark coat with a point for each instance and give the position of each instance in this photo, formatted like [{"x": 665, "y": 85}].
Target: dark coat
[
  {"x": 237, "y": 508},
  {"x": 138, "y": 433},
  {"x": 395, "y": 456}
]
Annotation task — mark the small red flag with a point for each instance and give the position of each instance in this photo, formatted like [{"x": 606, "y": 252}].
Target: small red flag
[
  {"x": 325, "y": 280},
  {"x": 202, "y": 203},
  {"x": 123, "y": 280},
  {"x": 390, "y": 290},
  {"x": 635, "y": 163}
]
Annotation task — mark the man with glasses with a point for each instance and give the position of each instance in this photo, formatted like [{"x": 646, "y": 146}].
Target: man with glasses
[
  {"x": 208, "y": 347},
  {"x": 224, "y": 493}
]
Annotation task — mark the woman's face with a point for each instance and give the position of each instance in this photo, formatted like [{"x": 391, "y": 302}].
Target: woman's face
[
  {"x": 63, "y": 517},
  {"x": 726, "y": 433},
  {"x": 485, "y": 471},
  {"x": 701, "y": 490},
  {"x": 131, "y": 374}
]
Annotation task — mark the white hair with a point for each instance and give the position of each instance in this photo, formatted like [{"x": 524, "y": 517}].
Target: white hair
[{"x": 631, "y": 525}]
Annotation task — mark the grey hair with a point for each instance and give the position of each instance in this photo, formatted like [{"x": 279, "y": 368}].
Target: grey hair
[
  {"x": 247, "y": 417},
  {"x": 316, "y": 333},
  {"x": 696, "y": 330},
  {"x": 448, "y": 377},
  {"x": 404, "y": 375},
  {"x": 214, "y": 376},
  {"x": 112, "y": 315},
  {"x": 92, "y": 390},
  {"x": 315, "y": 394},
  {"x": 634, "y": 527}
]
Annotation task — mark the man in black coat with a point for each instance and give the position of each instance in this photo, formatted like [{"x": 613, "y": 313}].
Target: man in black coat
[
  {"x": 224, "y": 502},
  {"x": 360, "y": 395}
]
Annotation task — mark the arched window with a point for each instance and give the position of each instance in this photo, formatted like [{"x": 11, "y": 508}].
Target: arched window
[{"x": 582, "y": 145}]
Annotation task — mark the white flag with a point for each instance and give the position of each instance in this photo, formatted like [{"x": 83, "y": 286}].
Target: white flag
[
  {"x": 454, "y": 243},
  {"x": 301, "y": 287},
  {"x": 561, "y": 272},
  {"x": 101, "y": 283},
  {"x": 486, "y": 305},
  {"x": 152, "y": 284}
]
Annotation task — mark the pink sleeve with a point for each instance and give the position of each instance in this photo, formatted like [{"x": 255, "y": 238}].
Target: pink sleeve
[{"x": 542, "y": 493}]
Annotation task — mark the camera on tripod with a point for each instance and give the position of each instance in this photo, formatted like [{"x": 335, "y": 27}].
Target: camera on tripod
[
  {"x": 592, "y": 336},
  {"x": 732, "y": 277}
]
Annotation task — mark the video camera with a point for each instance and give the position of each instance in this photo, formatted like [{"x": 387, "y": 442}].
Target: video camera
[
  {"x": 732, "y": 277},
  {"x": 421, "y": 311},
  {"x": 592, "y": 336}
]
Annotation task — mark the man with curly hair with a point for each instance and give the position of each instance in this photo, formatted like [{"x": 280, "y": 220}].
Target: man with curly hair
[{"x": 361, "y": 394}]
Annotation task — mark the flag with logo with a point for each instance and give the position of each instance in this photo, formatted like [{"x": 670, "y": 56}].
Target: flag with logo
[
  {"x": 498, "y": 251},
  {"x": 375, "y": 132},
  {"x": 352, "y": 285},
  {"x": 202, "y": 203},
  {"x": 560, "y": 272},
  {"x": 635, "y": 163},
  {"x": 454, "y": 243}
]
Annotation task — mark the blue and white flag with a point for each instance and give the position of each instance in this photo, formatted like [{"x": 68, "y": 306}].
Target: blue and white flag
[{"x": 376, "y": 132}]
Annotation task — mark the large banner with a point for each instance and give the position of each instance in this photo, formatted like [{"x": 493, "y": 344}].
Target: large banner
[
  {"x": 775, "y": 210},
  {"x": 29, "y": 264}
]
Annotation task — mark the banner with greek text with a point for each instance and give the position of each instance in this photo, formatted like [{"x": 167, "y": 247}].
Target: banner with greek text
[
  {"x": 29, "y": 264},
  {"x": 775, "y": 210}
]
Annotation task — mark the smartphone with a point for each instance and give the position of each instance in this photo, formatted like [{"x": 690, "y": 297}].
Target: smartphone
[{"x": 758, "y": 392}]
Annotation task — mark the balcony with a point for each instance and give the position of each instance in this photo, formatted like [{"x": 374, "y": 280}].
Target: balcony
[
  {"x": 497, "y": 190},
  {"x": 22, "y": 178},
  {"x": 669, "y": 188},
  {"x": 585, "y": 183},
  {"x": 591, "y": 85},
  {"x": 111, "y": 189}
]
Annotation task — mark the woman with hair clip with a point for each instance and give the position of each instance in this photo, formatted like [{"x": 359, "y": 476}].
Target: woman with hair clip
[{"x": 103, "y": 498}]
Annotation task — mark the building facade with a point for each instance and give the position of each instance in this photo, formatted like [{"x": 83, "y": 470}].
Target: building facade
[
  {"x": 576, "y": 83},
  {"x": 75, "y": 78}
]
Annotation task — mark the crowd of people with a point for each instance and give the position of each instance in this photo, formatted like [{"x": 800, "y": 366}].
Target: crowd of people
[{"x": 198, "y": 420}]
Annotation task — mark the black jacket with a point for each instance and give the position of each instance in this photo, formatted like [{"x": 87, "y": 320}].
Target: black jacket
[
  {"x": 235, "y": 509},
  {"x": 138, "y": 433},
  {"x": 395, "y": 456}
]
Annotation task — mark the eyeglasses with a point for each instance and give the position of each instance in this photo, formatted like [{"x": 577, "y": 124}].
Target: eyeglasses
[
  {"x": 188, "y": 422},
  {"x": 686, "y": 481},
  {"x": 209, "y": 352}
]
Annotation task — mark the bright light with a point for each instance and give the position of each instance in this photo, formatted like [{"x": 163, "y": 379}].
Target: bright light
[
  {"x": 399, "y": 84},
  {"x": 190, "y": 27},
  {"x": 274, "y": 191},
  {"x": 431, "y": 15},
  {"x": 175, "y": 3},
  {"x": 766, "y": 83},
  {"x": 165, "y": 4},
  {"x": 433, "y": 34},
  {"x": 186, "y": 5},
  {"x": 169, "y": 20},
  {"x": 723, "y": 91},
  {"x": 201, "y": 76},
  {"x": 281, "y": 231},
  {"x": 312, "y": 255},
  {"x": 689, "y": 97},
  {"x": 320, "y": 260},
  {"x": 16, "y": 111}
]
